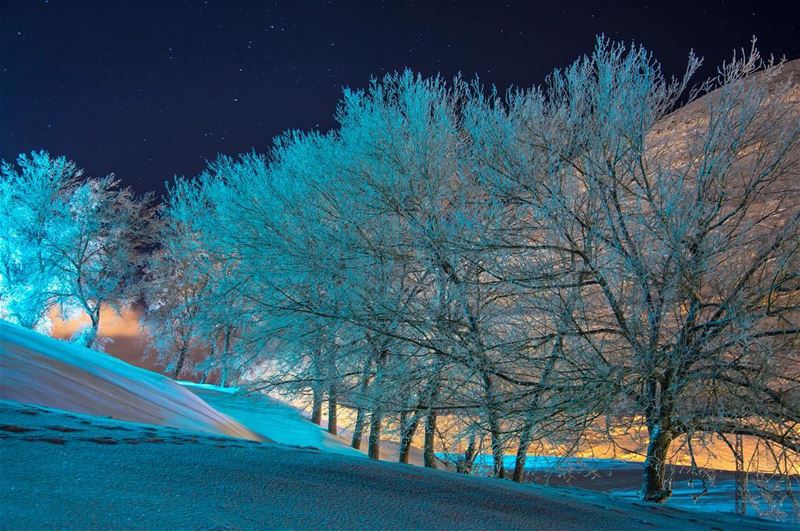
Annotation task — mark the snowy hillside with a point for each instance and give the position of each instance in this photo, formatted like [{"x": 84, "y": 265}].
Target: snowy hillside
[
  {"x": 622, "y": 479},
  {"x": 68, "y": 471},
  {"x": 168, "y": 459},
  {"x": 270, "y": 418},
  {"x": 36, "y": 369}
]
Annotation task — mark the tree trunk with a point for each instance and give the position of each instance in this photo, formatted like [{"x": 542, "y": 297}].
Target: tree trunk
[
  {"x": 317, "y": 390},
  {"x": 332, "y": 428},
  {"x": 526, "y": 435},
  {"x": 494, "y": 426},
  {"x": 316, "y": 404},
  {"x": 519, "y": 464},
  {"x": 90, "y": 337},
  {"x": 358, "y": 430},
  {"x": 740, "y": 499},
  {"x": 332, "y": 391},
  {"x": 469, "y": 456},
  {"x": 428, "y": 453},
  {"x": 522, "y": 449},
  {"x": 180, "y": 361},
  {"x": 375, "y": 422},
  {"x": 658, "y": 414},
  {"x": 377, "y": 411},
  {"x": 211, "y": 353},
  {"x": 496, "y": 440},
  {"x": 497, "y": 447},
  {"x": 429, "y": 456},
  {"x": 361, "y": 413},
  {"x": 653, "y": 488},
  {"x": 407, "y": 430},
  {"x": 223, "y": 371}
]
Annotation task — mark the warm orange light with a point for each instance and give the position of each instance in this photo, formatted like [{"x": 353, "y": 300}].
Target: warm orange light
[{"x": 112, "y": 324}]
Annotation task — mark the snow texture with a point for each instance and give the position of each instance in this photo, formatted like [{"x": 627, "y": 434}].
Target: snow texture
[
  {"x": 65, "y": 471},
  {"x": 270, "y": 418},
  {"x": 37, "y": 369},
  {"x": 135, "y": 472},
  {"x": 621, "y": 479}
]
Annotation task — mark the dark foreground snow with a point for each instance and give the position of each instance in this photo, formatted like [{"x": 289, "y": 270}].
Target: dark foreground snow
[
  {"x": 622, "y": 479},
  {"x": 63, "y": 470}
]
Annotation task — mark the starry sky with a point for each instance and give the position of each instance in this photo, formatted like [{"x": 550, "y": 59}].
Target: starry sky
[{"x": 151, "y": 89}]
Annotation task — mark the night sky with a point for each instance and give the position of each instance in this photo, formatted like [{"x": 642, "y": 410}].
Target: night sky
[{"x": 153, "y": 89}]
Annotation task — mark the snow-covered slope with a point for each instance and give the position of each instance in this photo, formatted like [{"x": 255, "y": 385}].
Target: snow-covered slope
[
  {"x": 169, "y": 459},
  {"x": 37, "y": 369},
  {"x": 270, "y": 418},
  {"x": 66, "y": 471}
]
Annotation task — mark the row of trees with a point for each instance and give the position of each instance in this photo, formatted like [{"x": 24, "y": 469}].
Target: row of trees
[
  {"x": 535, "y": 268},
  {"x": 66, "y": 242},
  {"x": 73, "y": 245},
  {"x": 538, "y": 270}
]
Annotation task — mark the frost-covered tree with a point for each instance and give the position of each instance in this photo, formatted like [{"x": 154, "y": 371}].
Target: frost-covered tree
[
  {"x": 104, "y": 229},
  {"x": 679, "y": 253},
  {"x": 173, "y": 292},
  {"x": 32, "y": 196},
  {"x": 523, "y": 272},
  {"x": 67, "y": 241},
  {"x": 177, "y": 284}
]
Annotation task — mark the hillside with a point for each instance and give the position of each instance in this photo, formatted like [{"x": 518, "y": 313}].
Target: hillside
[
  {"x": 68, "y": 471},
  {"x": 40, "y": 370},
  {"x": 191, "y": 463},
  {"x": 270, "y": 418}
]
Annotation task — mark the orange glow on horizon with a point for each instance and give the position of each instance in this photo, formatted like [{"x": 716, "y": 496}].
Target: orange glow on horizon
[
  {"x": 112, "y": 324},
  {"x": 714, "y": 455}
]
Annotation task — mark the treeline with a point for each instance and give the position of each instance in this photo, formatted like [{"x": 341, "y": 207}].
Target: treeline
[{"x": 541, "y": 268}]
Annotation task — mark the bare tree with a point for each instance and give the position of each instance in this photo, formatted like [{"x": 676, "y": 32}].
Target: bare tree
[
  {"x": 534, "y": 267},
  {"x": 174, "y": 291},
  {"x": 685, "y": 247},
  {"x": 72, "y": 242},
  {"x": 104, "y": 231}
]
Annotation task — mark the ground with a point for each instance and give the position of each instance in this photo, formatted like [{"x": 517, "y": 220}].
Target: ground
[
  {"x": 65, "y": 470},
  {"x": 129, "y": 448}
]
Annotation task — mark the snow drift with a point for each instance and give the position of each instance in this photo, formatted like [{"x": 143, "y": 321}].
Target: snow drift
[
  {"x": 41, "y": 370},
  {"x": 275, "y": 420}
]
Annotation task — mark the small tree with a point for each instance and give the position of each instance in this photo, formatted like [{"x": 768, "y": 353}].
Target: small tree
[
  {"x": 173, "y": 292},
  {"x": 99, "y": 247}
]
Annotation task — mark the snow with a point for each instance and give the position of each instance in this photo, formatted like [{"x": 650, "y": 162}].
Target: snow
[
  {"x": 719, "y": 499},
  {"x": 621, "y": 479},
  {"x": 270, "y": 418},
  {"x": 550, "y": 463},
  {"x": 171, "y": 459},
  {"x": 66, "y": 471},
  {"x": 209, "y": 387},
  {"x": 37, "y": 369}
]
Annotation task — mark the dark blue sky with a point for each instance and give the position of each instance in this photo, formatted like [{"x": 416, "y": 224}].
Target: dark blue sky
[{"x": 152, "y": 89}]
